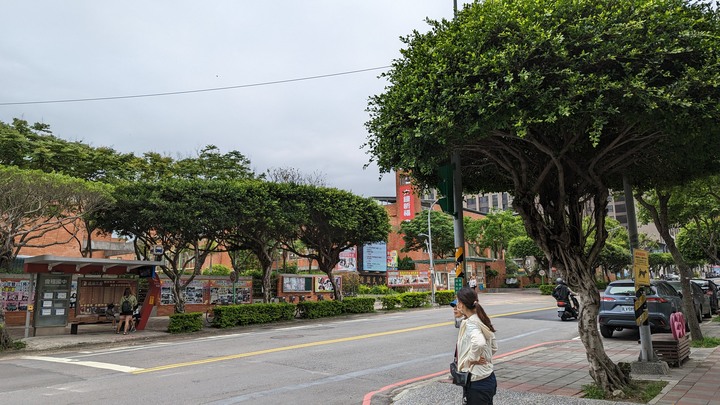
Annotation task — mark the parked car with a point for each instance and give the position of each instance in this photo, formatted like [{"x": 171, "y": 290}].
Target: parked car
[
  {"x": 617, "y": 306},
  {"x": 711, "y": 290},
  {"x": 701, "y": 301}
]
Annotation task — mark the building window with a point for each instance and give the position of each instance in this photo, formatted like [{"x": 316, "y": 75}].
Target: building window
[
  {"x": 471, "y": 203},
  {"x": 484, "y": 204}
]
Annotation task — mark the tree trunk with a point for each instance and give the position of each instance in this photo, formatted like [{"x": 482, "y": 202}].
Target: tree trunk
[
  {"x": 604, "y": 372},
  {"x": 337, "y": 293},
  {"x": 557, "y": 226},
  {"x": 179, "y": 296}
]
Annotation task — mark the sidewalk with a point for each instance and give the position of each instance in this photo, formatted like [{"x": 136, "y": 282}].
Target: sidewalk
[
  {"x": 94, "y": 334},
  {"x": 549, "y": 373},
  {"x": 555, "y": 373}
]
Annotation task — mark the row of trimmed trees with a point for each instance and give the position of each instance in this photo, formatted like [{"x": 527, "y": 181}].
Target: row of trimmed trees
[
  {"x": 193, "y": 218},
  {"x": 191, "y": 206}
]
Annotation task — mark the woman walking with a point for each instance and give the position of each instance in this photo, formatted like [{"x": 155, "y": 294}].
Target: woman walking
[{"x": 476, "y": 345}]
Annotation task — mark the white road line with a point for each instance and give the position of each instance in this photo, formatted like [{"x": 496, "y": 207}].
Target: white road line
[{"x": 93, "y": 364}]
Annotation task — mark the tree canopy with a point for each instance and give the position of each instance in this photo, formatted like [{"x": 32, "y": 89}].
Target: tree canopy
[
  {"x": 34, "y": 203},
  {"x": 330, "y": 221},
  {"x": 556, "y": 102},
  {"x": 443, "y": 242}
]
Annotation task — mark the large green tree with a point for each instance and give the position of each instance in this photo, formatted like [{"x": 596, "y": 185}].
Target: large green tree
[
  {"x": 556, "y": 101},
  {"x": 330, "y": 221},
  {"x": 187, "y": 218},
  {"x": 34, "y": 204},
  {"x": 414, "y": 233},
  {"x": 35, "y": 147},
  {"x": 261, "y": 216},
  {"x": 493, "y": 232}
]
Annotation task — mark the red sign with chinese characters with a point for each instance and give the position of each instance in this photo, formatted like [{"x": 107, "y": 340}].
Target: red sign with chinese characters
[{"x": 406, "y": 205}]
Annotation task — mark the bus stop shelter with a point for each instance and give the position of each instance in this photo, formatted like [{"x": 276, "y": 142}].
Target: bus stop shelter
[{"x": 51, "y": 285}]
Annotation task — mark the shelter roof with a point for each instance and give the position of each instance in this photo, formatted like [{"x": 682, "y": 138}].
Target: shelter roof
[{"x": 83, "y": 265}]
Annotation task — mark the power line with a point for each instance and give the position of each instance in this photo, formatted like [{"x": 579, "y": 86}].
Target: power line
[{"x": 172, "y": 93}]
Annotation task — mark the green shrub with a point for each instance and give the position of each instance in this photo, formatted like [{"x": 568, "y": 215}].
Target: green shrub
[
  {"x": 355, "y": 305},
  {"x": 183, "y": 323},
  {"x": 601, "y": 284},
  {"x": 390, "y": 301},
  {"x": 546, "y": 289},
  {"x": 444, "y": 297},
  {"x": 532, "y": 285},
  {"x": 227, "y": 316},
  {"x": 363, "y": 289},
  {"x": 414, "y": 299},
  {"x": 320, "y": 309},
  {"x": 217, "y": 270},
  {"x": 379, "y": 289}
]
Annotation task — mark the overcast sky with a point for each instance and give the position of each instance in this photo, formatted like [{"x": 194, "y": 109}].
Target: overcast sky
[{"x": 60, "y": 50}]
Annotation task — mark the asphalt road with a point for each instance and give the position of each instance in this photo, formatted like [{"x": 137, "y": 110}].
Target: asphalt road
[{"x": 328, "y": 361}]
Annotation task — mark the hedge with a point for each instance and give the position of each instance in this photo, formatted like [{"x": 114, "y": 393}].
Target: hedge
[
  {"x": 227, "y": 316},
  {"x": 444, "y": 297},
  {"x": 187, "y": 322}
]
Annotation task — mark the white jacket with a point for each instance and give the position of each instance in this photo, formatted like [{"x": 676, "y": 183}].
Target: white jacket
[{"x": 475, "y": 340}]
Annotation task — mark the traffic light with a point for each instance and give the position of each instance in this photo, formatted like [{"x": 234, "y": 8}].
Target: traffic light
[{"x": 445, "y": 187}]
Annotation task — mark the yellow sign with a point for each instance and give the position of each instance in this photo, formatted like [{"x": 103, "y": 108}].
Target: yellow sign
[
  {"x": 641, "y": 267},
  {"x": 459, "y": 258},
  {"x": 641, "y": 319}
]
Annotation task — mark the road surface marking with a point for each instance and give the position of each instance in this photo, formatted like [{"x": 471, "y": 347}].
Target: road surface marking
[
  {"x": 286, "y": 348},
  {"x": 312, "y": 344},
  {"x": 93, "y": 364}
]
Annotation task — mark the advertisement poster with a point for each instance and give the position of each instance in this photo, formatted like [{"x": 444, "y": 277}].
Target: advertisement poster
[
  {"x": 375, "y": 257},
  {"x": 323, "y": 284},
  {"x": 408, "y": 278},
  {"x": 392, "y": 260},
  {"x": 15, "y": 294},
  {"x": 348, "y": 260},
  {"x": 221, "y": 291},
  {"x": 193, "y": 293},
  {"x": 296, "y": 284}
]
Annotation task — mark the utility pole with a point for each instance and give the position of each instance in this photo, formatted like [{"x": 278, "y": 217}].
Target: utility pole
[{"x": 648, "y": 362}]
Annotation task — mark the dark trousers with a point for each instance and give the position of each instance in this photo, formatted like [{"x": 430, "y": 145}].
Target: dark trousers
[{"x": 480, "y": 392}]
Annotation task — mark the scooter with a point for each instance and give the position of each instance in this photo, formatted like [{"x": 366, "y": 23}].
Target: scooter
[{"x": 566, "y": 311}]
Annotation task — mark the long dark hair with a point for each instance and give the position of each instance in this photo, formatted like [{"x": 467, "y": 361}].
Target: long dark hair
[{"x": 469, "y": 298}]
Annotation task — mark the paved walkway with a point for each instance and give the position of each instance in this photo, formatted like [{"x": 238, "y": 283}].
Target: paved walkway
[{"x": 554, "y": 373}]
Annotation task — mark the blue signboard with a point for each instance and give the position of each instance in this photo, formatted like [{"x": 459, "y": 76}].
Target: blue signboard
[{"x": 375, "y": 257}]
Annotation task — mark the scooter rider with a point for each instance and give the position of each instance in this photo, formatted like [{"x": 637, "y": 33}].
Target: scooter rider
[{"x": 562, "y": 292}]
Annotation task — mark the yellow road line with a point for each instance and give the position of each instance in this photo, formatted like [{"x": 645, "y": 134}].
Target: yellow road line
[{"x": 310, "y": 344}]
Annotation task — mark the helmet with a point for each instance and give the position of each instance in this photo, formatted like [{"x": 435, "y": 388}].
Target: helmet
[{"x": 560, "y": 281}]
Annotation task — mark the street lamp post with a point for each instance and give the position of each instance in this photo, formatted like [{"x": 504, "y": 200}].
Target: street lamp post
[{"x": 430, "y": 254}]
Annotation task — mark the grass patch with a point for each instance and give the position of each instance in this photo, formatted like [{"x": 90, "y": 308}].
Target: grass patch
[
  {"x": 639, "y": 391},
  {"x": 716, "y": 319},
  {"x": 706, "y": 342}
]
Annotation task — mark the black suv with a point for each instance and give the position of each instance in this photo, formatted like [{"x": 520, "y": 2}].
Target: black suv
[{"x": 617, "y": 306}]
